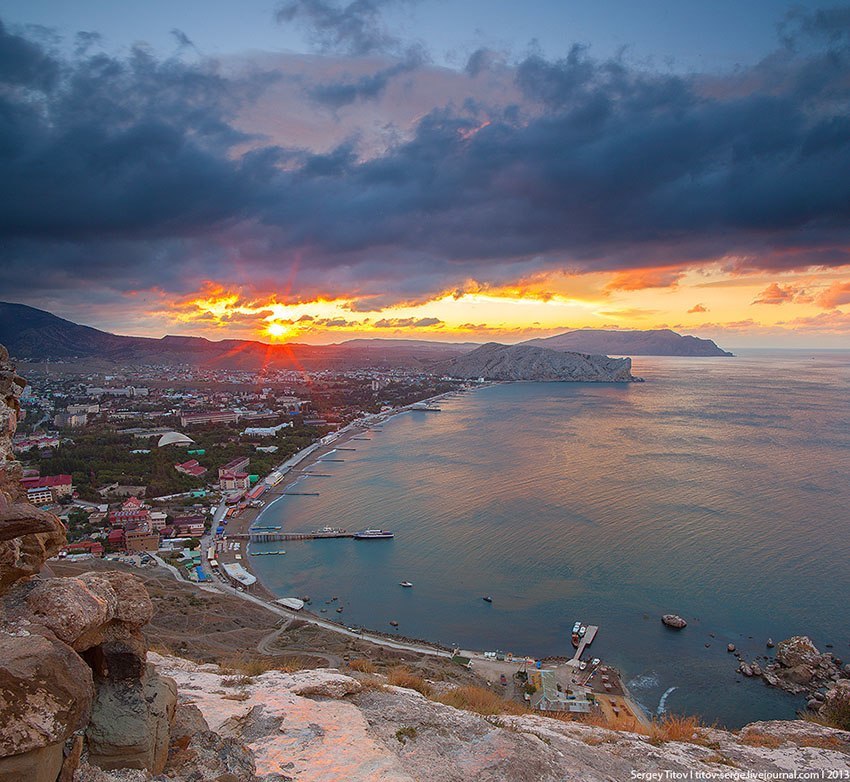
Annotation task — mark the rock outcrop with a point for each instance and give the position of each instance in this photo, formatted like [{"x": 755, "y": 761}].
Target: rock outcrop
[
  {"x": 674, "y": 620},
  {"x": 74, "y": 677},
  {"x": 526, "y": 362},
  {"x": 390, "y": 734},
  {"x": 799, "y": 667}
]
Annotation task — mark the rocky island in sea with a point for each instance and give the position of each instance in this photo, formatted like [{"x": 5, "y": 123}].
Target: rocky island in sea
[{"x": 528, "y": 362}]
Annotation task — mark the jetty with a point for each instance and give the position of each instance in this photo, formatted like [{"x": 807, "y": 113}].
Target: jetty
[
  {"x": 331, "y": 460},
  {"x": 275, "y": 537},
  {"x": 340, "y": 448},
  {"x": 362, "y": 439},
  {"x": 586, "y": 641},
  {"x": 301, "y": 494}
]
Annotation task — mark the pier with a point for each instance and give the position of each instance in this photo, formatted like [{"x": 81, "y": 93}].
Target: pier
[
  {"x": 276, "y": 537},
  {"x": 586, "y": 641},
  {"x": 362, "y": 439},
  {"x": 340, "y": 448},
  {"x": 301, "y": 494},
  {"x": 331, "y": 460}
]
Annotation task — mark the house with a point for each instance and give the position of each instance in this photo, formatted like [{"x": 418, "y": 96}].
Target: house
[
  {"x": 549, "y": 697},
  {"x": 58, "y": 485},
  {"x": 192, "y": 467}
]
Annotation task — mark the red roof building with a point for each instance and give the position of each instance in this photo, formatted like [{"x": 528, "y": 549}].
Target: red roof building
[
  {"x": 58, "y": 485},
  {"x": 192, "y": 467}
]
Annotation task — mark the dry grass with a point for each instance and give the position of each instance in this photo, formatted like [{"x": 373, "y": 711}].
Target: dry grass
[
  {"x": 363, "y": 666},
  {"x": 822, "y": 742},
  {"x": 254, "y": 666},
  {"x": 237, "y": 681},
  {"x": 372, "y": 683},
  {"x": 755, "y": 738},
  {"x": 674, "y": 728},
  {"x": 480, "y": 700},
  {"x": 402, "y": 677}
]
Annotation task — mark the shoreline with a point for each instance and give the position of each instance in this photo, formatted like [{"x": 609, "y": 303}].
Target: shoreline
[{"x": 260, "y": 593}]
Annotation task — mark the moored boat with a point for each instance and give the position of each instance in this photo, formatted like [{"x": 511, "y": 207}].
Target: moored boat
[
  {"x": 406, "y": 583},
  {"x": 373, "y": 534}
]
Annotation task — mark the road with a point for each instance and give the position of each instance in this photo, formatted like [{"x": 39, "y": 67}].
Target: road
[{"x": 378, "y": 640}]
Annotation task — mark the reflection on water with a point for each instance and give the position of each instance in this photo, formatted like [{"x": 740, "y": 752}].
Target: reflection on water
[{"x": 717, "y": 490}]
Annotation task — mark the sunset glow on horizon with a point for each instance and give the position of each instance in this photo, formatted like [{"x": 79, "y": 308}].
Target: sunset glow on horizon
[{"x": 321, "y": 172}]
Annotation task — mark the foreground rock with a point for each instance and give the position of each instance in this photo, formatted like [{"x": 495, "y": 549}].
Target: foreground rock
[
  {"x": 74, "y": 678},
  {"x": 397, "y": 735},
  {"x": 526, "y": 362}
]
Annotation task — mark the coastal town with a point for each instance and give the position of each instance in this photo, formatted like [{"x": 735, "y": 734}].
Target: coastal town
[{"x": 187, "y": 464}]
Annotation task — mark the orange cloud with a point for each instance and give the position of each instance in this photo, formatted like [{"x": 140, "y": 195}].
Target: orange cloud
[
  {"x": 778, "y": 294},
  {"x": 640, "y": 279},
  {"x": 835, "y": 295},
  {"x": 698, "y": 308}
]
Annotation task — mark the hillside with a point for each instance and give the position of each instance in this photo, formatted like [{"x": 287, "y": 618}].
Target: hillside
[
  {"x": 36, "y": 335},
  {"x": 527, "y": 362},
  {"x": 654, "y": 342}
]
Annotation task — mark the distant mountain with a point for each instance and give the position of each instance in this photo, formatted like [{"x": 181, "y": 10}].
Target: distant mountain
[
  {"x": 34, "y": 334},
  {"x": 654, "y": 342},
  {"x": 527, "y": 362}
]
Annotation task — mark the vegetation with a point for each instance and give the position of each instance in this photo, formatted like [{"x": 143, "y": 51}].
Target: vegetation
[
  {"x": 363, "y": 666},
  {"x": 405, "y": 733},
  {"x": 481, "y": 701},
  {"x": 402, "y": 677}
]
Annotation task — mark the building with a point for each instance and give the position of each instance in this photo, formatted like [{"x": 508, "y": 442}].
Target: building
[
  {"x": 128, "y": 391},
  {"x": 92, "y": 547},
  {"x": 115, "y": 539},
  {"x": 550, "y": 697},
  {"x": 192, "y": 467},
  {"x": 265, "y": 431},
  {"x": 193, "y": 526},
  {"x": 40, "y": 496},
  {"x": 90, "y": 409},
  {"x": 124, "y": 518},
  {"x": 216, "y": 417},
  {"x": 68, "y": 420},
  {"x": 58, "y": 485},
  {"x": 233, "y": 476},
  {"x": 158, "y": 519},
  {"x": 140, "y": 537}
]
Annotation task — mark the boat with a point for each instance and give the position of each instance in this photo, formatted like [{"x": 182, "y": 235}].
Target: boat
[
  {"x": 339, "y": 610},
  {"x": 487, "y": 599},
  {"x": 373, "y": 534},
  {"x": 393, "y": 623},
  {"x": 406, "y": 583}
]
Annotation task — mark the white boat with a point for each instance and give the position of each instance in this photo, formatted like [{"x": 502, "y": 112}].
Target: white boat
[
  {"x": 406, "y": 584},
  {"x": 373, "y": 534}
]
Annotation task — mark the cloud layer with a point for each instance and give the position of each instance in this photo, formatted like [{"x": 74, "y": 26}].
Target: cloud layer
[{"x": 137, "y": 173}]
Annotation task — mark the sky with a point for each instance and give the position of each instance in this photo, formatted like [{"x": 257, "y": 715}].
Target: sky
[{"x": 318, "y": 170}]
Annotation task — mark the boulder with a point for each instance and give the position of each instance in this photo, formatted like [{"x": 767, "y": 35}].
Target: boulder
[
  {"x": 674, "y": 620},
  {"x": 45, "y": 692},
  {"x": 796, "y": 651},
  {"x": 37, "y": 765},
  {"x": 730, "y": 647},
  {"x": 326, "y": 683}
]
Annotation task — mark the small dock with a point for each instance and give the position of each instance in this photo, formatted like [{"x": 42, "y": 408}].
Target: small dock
[
  {"x": 331, "y": 460},
  {"x": 586, "y": 641},
  {"x": 301, "y": 494},
  {"x": 362, "y": 439},
  {"x": 317, "y": 474},
  {"x": 340, "y": 448}
]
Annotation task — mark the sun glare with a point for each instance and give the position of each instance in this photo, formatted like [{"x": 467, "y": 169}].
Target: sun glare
[{"x": 277, "y": 330}]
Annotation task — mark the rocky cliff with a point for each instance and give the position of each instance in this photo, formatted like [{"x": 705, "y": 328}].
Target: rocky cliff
[{"x": 527, "y": 362}]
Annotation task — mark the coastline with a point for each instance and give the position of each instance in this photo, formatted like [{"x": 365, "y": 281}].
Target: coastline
[{"x": 260, "y": 593}]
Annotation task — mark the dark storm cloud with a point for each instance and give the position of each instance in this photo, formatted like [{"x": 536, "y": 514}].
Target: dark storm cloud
[
  {"x": 131, "y": 173},
  {"x": 354, "y": 28},
  {"x": 336, "y": 94}
]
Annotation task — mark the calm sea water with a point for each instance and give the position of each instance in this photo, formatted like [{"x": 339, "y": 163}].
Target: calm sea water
[{"x": 719, "y": 490}]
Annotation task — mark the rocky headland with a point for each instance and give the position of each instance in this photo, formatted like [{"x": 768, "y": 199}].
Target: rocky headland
[{"x": 527, "y": 362}]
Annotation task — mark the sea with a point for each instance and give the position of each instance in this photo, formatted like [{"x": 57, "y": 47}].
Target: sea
[{"x": 719, "y": 489}]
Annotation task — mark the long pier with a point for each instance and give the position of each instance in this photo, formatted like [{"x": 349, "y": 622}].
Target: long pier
[{"x": 275, "y": 537}]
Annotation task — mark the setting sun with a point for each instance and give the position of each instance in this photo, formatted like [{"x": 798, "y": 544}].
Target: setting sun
[{"x": 278, "y": 330}]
